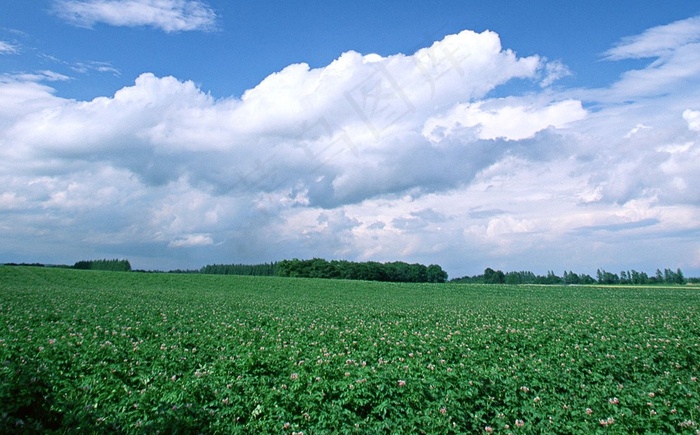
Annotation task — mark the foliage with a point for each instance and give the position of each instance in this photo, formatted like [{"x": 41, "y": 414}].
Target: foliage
[
  {"x": 25, "y": 264},
  {"x": 145, "y": 353},
  {"x": 631, "y": 277},
  {"x": 264, "y": 269},
  {"x": 111, "y": 265},
  {"x": 369, "y": 271}
]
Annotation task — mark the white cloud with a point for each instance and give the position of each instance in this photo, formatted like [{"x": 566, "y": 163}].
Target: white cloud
[
  {"x": 554, "y": 71},
  {"x": 692, "y": 117},
  {"x": 675, "y": 49},
  {"x": 506, "y": 118},
  {"x": 191, "y": 240},
  {"x": 168, "y": 15},
  {"x": 38, "y": 76},
  {"x": 657, "y": 41},
  {"x": 102, "y": 67},
  {"x": 402, "y": 157},
  {"x": 635, "y": 130},
  {"x": 7, "y": 48}
]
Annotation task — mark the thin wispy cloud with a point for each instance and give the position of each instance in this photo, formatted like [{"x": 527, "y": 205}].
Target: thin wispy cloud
[
  {"x": 657, "y": 41},
  {"x": 191, "y": 240},
  {"x": 167, "y": 15},
  {"x": 101, "y": 67},
  {"x": 7, "y": 48},
  {"x": 38, "y": 76}
]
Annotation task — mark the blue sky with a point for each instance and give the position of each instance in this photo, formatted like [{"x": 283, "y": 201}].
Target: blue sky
[{"x": 514, "y": 135}]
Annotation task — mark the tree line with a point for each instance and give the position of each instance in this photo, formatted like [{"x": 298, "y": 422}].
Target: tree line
[
  {"x": 396, "y": 271},
  {"x": 631, "y": 277},
  {"x": 111, "y": 265},
  {"x": 264, "y": 269}
]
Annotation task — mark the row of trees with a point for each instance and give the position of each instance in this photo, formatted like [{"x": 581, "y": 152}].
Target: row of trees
[
  {"x": 264, "y": 269},
  {"x": 399, "y": 272},
  {"x": 370, "y": 271},
  {"x": 112, "y": 265},
  {"x": 631, "y": 277},
  {"x": 668, "y": 276}
]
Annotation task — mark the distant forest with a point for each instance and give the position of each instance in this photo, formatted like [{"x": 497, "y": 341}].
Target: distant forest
[
  {"x": 112, "y": 265},
  {"x": 339, "y": 269},
  {"x": 631, "y": 277},
  {"x": 264, "y": 269},
  {"x": 396, "y": 272}
]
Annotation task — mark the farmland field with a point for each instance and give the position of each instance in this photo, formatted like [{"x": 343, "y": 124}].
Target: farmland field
[{"x": 87, "y": 351}]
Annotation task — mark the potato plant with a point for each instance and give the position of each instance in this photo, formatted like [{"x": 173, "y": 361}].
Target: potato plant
[{"x": 88, "y": 351}]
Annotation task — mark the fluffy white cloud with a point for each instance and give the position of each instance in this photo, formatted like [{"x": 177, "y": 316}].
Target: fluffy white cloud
[
  {"x": 692, "y": 117},
  {"x": 505, "y": 118},
  {"x": 168, "y": 15},
  {"x": 398, "y": 157}
]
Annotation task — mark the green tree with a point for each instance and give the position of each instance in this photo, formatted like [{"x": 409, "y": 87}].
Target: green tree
[
  {"x": 494, "y": 276},
  {"x": 435, "y": 273}
]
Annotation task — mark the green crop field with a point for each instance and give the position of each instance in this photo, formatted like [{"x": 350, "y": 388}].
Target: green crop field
[{"x": 87, "y": 351}]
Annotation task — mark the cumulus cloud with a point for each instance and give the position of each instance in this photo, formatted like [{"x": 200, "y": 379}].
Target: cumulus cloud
[
  {"x": 407, "y": 156},
  {"x": 314, "y": 130},
  {"x": 167, "y": 15},
  {"x": 505, "y": 118}
]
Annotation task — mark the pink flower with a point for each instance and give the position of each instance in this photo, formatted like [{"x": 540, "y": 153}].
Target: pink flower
[
  {"x": 294, "y": 376},
  {"x": 402, "y": 383},
  {"x": 589, "y": 411},
  {"x": 614, "y": 401},
  {"x": 519, "y": 423},
  {"x": 488, "y": 429},
  {"x": 443, "y": 410}
]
